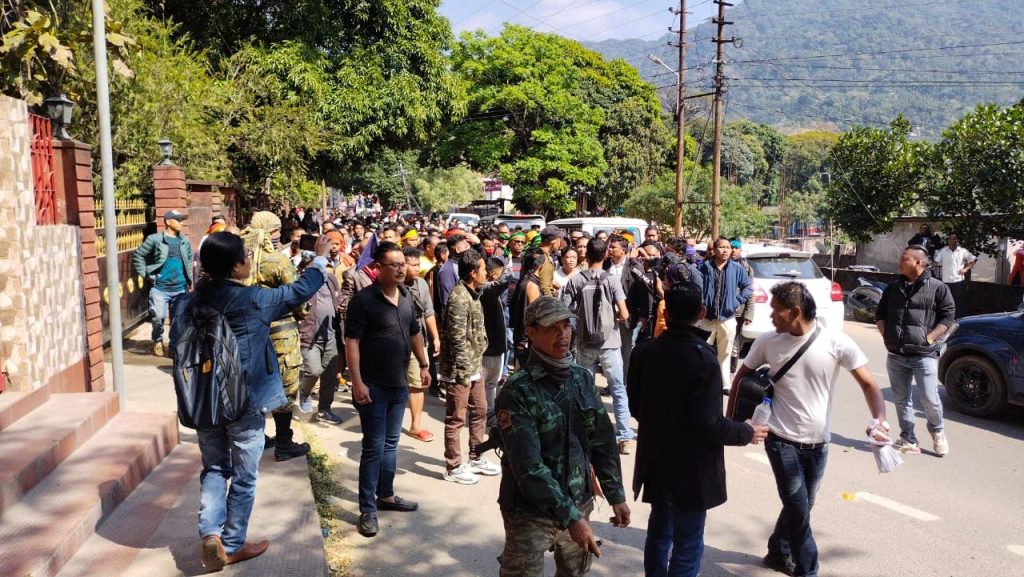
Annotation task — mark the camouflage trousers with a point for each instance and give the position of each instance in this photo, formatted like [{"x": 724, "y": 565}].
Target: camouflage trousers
[
  {"x": 289, "y": 360},
  {"x": 526, "y": 540}
]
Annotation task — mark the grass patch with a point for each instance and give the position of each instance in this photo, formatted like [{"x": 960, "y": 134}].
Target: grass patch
[{"x": 326, "y": 492}]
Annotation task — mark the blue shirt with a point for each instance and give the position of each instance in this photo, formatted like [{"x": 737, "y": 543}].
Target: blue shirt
[{"x": 171, "y": 277}]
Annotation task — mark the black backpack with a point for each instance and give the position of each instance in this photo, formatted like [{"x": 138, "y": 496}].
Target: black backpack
[
  {"x": 594, "y": 309},
  {"x": 208, "y": 377}
]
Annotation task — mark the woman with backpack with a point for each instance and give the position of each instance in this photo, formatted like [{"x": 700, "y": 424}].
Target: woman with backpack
[{"x": 231, "y": 439}]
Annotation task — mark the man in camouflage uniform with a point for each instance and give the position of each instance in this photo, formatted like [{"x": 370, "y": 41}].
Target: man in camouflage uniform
[
  {"x": 463, "y": 341},
  {"x": 547, "y": 489},
  {"x": 272, "y": 268}
]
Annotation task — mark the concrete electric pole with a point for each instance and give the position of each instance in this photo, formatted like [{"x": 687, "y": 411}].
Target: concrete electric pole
[{"x": 716, "y": 177}]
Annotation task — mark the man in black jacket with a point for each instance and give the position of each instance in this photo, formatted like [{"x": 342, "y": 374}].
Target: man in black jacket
[
  {"x": 674, "y": 388},
  {"x": 912, "y": 314}
]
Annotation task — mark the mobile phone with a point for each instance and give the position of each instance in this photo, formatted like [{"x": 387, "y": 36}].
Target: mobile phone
[{"x": 307, "y": 242}]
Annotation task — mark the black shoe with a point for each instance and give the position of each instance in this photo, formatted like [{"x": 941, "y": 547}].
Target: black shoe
[
  {"x": 290, "y": 451},
  {"x": 399, "y": 504},
  {"x": 782, "y": 565},
  {"x": 328, "y": 417},
  {"x": 269, "y": 442},
  {"x": 368, "y": 524},
  {"x": 435, "y": 391}
]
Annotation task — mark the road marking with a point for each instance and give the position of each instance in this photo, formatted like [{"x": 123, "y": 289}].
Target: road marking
[
  {"x": 897, "y": 507},
  {"x": 1016, "y": 549},
  {"x": 759, "y": 457}
]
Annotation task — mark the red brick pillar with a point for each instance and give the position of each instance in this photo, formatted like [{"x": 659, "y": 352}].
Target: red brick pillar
[
  {"x": 73, "y": 178},
  {"x": 168, "y": 191}
]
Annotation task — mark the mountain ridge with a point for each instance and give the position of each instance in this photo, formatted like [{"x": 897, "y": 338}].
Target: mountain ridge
[{"x": 809, "y": 63}]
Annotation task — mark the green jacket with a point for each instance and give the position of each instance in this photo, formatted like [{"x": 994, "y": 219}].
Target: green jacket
[
  {"x": 152, "y": 254},
  {"x": 531, "y": 414},
  {"x": 463, "y": 338}
]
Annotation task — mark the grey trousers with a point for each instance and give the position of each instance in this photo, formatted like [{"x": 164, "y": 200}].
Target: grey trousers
[{"x": 320, "y": 362}]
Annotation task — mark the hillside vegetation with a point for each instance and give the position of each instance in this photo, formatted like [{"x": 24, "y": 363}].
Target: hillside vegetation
[{"x": 838, "y": 63}]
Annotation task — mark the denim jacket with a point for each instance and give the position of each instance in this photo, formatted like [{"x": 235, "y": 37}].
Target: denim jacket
[{"x": 249, "y": 311}]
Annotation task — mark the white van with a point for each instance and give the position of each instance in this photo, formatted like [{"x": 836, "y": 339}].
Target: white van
[
  {"x": 594, "y": 225},
  {"x": 519, "y": 221},
  {"x": 466, "y": 218}
]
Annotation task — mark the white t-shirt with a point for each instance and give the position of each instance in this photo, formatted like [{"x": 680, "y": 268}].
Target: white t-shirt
[
  {"x": 802, "y": 407},
  {"x": 952, "y": 261}
]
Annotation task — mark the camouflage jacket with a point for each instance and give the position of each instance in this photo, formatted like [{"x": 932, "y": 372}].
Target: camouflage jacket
[
  {"x": 538, "y": 477},
  {"x": 463, "y": 338},
  {"x": 271, "y": 271}
]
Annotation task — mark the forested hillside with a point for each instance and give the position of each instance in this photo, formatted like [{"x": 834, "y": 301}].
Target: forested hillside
[{"x": 837, "y": 63}]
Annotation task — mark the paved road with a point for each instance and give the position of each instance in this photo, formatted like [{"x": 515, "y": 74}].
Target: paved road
[{"x": 962, "y": 515}]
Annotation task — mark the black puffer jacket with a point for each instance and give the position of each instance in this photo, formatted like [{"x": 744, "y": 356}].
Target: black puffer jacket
[{"x": 912, "y": 310}]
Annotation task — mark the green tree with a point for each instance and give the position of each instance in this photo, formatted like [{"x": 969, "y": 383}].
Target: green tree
[
  {"x": 553, "y": 118},
  {"x": 806, "y": 158},
  {"x": 385, "y": 63},
  {"x": 41, "y": 42},
  {"x": 528, "y": 122},
  {"x": 274, "y": 119},
  {"x": 439, "y": 188},
  {"x": 738, "y": 217},
  {"x": 978, "y": 172},
  {"x": 878, "y": 174}
]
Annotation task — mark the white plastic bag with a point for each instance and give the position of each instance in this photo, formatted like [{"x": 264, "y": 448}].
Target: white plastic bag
[{"x": 886, "y": 457}]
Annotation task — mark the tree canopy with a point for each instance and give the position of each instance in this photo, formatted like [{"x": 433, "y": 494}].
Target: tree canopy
[{"x": 553, "y": 119}]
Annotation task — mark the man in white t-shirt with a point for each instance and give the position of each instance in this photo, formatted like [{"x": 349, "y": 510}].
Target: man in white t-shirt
[
  {"x": 955, "y": 261},
  {"x": 797, "y": 443}
]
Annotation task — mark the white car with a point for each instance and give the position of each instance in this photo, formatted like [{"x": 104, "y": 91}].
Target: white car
[{"x": 772, "y": 265}]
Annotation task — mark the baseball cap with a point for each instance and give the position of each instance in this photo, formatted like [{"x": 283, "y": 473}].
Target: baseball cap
[
  {"x": 546, "y": 311},
  {"x": 174, "y": 215},
  {"x": 551, "y": 232}
]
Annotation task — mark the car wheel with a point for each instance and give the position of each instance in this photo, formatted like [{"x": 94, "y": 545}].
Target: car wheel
[{"x": 975, "y": 386}]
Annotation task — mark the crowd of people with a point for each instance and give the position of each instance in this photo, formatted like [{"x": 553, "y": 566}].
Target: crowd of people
[{"x": 509, "y": 328}]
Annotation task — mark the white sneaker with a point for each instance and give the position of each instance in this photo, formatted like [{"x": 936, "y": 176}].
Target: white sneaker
[
  {"x": 461, "y": 475},
  {"x": 941, "y": 444},
  {"x": 305, "y": 404},
  {"x": 484, "y": 467}
]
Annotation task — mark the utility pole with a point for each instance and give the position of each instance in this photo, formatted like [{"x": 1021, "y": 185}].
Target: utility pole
[
  {"x": 410, "y": 202},
  {"x": 680, "y": 129},
  {"x": 716, "y": 178}
]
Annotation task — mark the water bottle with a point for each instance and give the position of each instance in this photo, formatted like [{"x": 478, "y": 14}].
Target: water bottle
[{"x": 762, "y": 412}]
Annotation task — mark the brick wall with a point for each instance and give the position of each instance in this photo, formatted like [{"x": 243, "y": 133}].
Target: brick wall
[{"x": 41, "y": 289}]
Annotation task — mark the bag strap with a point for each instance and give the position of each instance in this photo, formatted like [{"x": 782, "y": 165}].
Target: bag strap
[{"x": 770, "y": 389}]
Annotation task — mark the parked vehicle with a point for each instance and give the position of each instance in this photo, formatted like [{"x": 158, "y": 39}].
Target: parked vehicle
[
  {"x": 466, "y": 218},
  {"x": 514, "y": 221},
  {"x": 593, "y": 225},
  {"x": 772, "y": 265},
  {"x": 864, "y": 299},
  {"x": 982, "y": 367}
]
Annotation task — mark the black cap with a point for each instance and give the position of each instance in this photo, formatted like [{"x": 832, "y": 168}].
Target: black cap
[{"x": 551, "y": 232}]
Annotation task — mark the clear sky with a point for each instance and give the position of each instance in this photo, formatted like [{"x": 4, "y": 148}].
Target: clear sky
[{"x": 577, "y": 19}]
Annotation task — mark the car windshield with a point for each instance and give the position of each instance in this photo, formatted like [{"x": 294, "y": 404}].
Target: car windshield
[{"x": 784, "y": 267}]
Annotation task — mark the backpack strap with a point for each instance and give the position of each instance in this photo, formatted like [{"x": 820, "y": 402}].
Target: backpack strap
[{"x": 770, "y": 389}]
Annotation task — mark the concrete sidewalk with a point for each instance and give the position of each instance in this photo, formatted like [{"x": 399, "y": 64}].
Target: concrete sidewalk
[{"x": 153, "y": 533}]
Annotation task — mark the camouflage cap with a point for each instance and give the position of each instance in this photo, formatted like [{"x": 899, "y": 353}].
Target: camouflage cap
[{"x": 546, "y": 311}]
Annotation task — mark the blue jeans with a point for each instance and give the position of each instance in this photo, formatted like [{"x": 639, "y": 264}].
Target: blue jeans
[
  {"x": 230, "y": 453},
  {"x": 611, "y": 365},
  {"x": 798, "y": 474},
  {"x": 681, "y": 532},
  {"x": 160, "y": 302},
  {"x": 381, "y": 422},
  {"x": 925, "y": 370}
]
